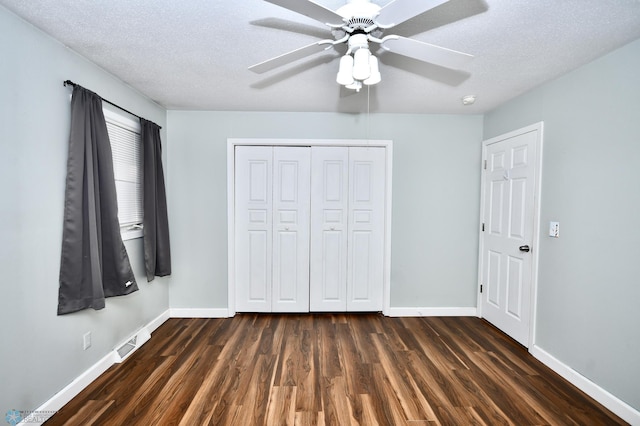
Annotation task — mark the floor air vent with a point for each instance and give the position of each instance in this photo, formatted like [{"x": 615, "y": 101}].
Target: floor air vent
[{"x": 124, "y": 350}]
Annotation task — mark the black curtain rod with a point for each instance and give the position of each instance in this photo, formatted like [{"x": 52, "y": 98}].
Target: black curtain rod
[{"x": 71, "y": 83}]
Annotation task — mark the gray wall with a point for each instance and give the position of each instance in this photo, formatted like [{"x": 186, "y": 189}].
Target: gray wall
[
  {"x": 42, "y": 352},
  {"x": 588, "y": 313},
  {"x": 436, "y": 171}
]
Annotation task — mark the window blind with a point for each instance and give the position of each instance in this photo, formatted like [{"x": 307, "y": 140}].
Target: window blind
[{"x": 127, "y": 167}]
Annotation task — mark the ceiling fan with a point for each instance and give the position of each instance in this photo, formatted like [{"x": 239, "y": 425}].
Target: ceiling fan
[{"x": 358, "y": 23}]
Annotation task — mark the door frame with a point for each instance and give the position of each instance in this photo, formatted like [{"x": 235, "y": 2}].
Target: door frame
[
  {"x": 535, "y": 243},
  {"x": 231, "y": 145}
]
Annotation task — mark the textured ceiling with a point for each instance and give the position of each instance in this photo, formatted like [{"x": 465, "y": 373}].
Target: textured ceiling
[{"x": 194, "y": 54}]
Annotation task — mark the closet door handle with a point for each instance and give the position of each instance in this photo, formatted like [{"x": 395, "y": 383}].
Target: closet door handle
[{"x": 524, "y": 249}]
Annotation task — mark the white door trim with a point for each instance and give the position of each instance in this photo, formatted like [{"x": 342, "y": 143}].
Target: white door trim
[
  {"x": 233, "y": 142},
  {"x": 539, "y": 127}
]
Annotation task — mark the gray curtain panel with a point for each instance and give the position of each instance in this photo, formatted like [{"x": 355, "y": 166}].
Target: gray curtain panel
[
  {"x": 94, "y": 262},
  {"x": 157, "y": 254}
]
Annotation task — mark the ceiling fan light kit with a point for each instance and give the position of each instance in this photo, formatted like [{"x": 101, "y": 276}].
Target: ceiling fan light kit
[
  {"x": 359, "y": 23},
  {"x": 360, "y": 69},
  {"x": 374, "y": 77},
  {"x": 345, "y": 71}
]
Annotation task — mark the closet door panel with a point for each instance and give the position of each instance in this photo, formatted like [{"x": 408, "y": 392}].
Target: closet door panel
[
  {"x": 366, "y": 229},
  {"x": 253, "y": 228},
  {"x": 329, "y": 214},
  {"x": 309, "y": 228},
  {"x": 291, "y": 205}
]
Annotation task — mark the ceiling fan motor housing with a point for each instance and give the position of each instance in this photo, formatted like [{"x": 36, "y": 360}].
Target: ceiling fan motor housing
[
  {"x": 360, "y": 23},
  {"x": 359, "y": 9},
  {"x": 359, "y": 15}
]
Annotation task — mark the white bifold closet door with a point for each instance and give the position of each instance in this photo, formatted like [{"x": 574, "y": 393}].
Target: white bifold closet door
[
  {"x": 347, "y": 228},
  {"x": 365, "y": 242},
  {"x": 329, "y": 220},
  {"x": 309, "y": 228},
  {"x": 272, "y": 229}
]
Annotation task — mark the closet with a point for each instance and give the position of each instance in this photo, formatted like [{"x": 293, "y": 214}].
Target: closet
[{"x": 309, "y": 228}]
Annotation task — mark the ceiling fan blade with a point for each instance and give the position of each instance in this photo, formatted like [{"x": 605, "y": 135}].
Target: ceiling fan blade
[
  {"x": 289, "y": 57},
  {"x": 295, "y": 27},
  {"x": 399, "y": 11},
  {"x": 425, "y": 52},
  {"x": 312, "y": 10}
]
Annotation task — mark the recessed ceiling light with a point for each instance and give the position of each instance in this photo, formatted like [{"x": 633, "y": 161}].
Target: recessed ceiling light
[{"x": 468, "y": 100}]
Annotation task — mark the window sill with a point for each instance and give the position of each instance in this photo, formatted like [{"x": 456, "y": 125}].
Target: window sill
[{"x": 131, "y": 234}]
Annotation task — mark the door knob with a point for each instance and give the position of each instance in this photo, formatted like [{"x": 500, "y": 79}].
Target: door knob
[{"x": 524, "y": 248}]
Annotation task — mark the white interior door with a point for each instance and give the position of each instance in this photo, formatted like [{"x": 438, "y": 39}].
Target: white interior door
[
  {"x": 253, "y": 228},
  {"x": 365, "y": 241},
  {"x": 509, "y": 218},
  {"x": 291, "y": 201},
  {"x": 329, "y": 216}
]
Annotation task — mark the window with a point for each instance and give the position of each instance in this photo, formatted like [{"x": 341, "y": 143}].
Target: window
[{"x": 124, "y": 135}]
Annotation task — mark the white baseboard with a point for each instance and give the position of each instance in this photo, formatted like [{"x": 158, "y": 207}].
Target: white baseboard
[
  {"x": 158, "y": 321},
  {"x": 199, "y": 313},
  {"x": 617, "y": 406},
  {"x": 432, "y": 312},
  {"x": 70, "y": 391}
]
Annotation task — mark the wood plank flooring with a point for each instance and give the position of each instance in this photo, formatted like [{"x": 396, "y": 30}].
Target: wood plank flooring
[{"x": 331, "y": 369}]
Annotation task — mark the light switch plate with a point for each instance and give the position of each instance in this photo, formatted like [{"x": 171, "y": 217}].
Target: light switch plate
[{"x": 554, "y": 229}]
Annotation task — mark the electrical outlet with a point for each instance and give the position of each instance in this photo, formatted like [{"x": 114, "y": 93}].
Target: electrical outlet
[
  {"x": 86, "y": 341},
  {"x": 554, "y": 229}
]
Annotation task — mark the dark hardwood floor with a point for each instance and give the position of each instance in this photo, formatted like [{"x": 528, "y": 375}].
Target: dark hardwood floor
[{"x": 331, "y": 369}]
